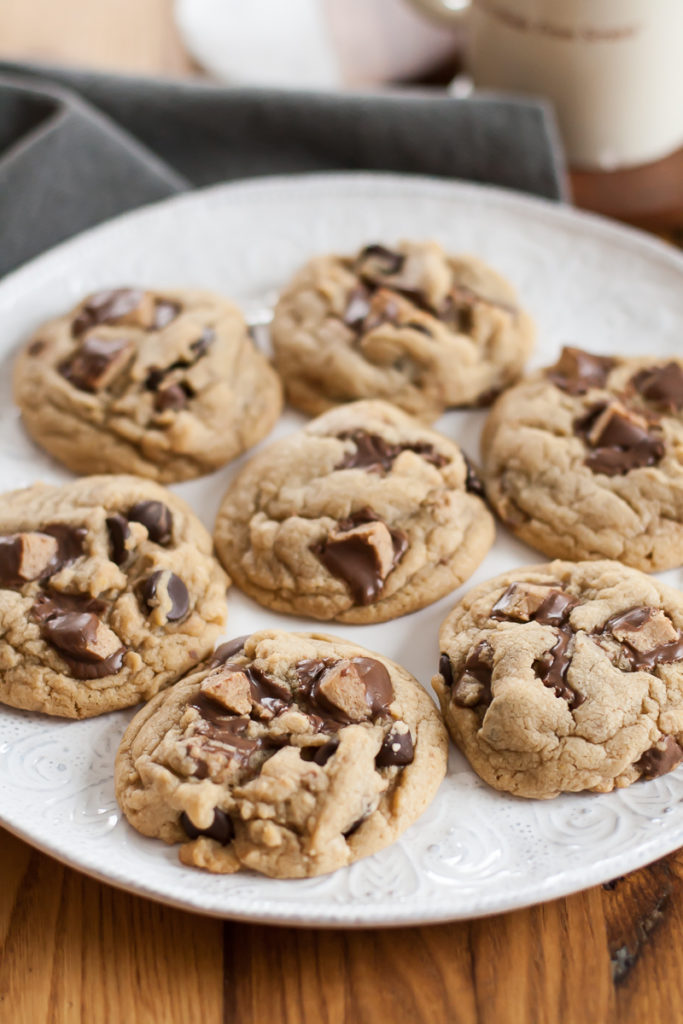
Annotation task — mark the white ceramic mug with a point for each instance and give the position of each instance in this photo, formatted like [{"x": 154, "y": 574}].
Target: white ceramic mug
[{"x": 612, "y": 68}]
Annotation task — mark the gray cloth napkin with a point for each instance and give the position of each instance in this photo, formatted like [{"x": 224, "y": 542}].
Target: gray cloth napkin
[{"x": 78, "y": 147}]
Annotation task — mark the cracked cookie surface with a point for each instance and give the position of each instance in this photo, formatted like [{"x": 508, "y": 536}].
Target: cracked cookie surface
[
  {"x": 412, "y": 325},
  {"x": 108, "y": 592},
  {"x": 565, "y": 677},
  {"x": 584, "y": 459},
  {"x": 363, "y": 516},
  {"x": 163, "y": 384},
  {"x": 291, "y": 754}
]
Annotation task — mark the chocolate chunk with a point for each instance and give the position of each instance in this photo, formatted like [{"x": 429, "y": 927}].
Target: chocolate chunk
[
  {"x": 362, "y": 558},
  {"x": 219, "y": 726},
  {"x": 324, "y": 753},
  {"x": 156, "y": 518},
  {"x": 356, "y": 825},
  {"x": 25, "y": 557},
  {"x": 70, "y": 541},
  {"x": 201, "y": 346},
  {"x": 661, "y": 385},
  {"x": 620, "y": 442},
  {"x": 106, "y": 307},
  {"x": 556, "y": 608},
  {"x": 348, "y": 690},
  {"x": 372, "y": 452},
  {"x": 383, "y": 260},
  {"x": 173, "y": 397},
  {"x": 36, "y": 347},
  {"x": 266, "y": 691},
  {"x": 221, "y": 828},
  {"x": 228, "y": 650},
  {"x": 357, "y": 307},
  {"x": 661, "y": 758},
  {"x": 457, "y": 310},
  {"x": 51, "y": 603},
  {"x": 472, "y": 482},
  {"x": 119, "y": 532},
  {"x": 154, "y": 378},
  {"x": 526, "y": 602},
  {"x": 397, "y": 749},
  {"x": 634, "y": 621},
  {"x": 165, "y": 311},
  {"x": 377, "y": 455},
  {"x": 160, "y": 582},
  {"x": 379, "y": 693},
  {"x": 473, "y": 688},
  {"x": 311, "y": 669},
  {"x": 34, "y": 555},
  {"x": 445, "y": 669},
  {"x": 576, "y": 371},
  {"x": 90, "y": 649},
  {"x": 552, "y": 668},
  {"x": 97, "y": 362}
]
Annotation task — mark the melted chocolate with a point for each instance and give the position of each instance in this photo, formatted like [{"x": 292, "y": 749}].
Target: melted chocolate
[
  {"x": 660, "y": 759},
  {"x": 69, "y": 623},
  {"x": 387, "y": 261},
  {"x": 577, "y": 371},
  {"x": 551, "y": 668},
  {"x": 221, "y": 828},
  {"x": 622, "y": 444},
  {"x": 445, "y": 669},
  {"x": 633, "y": 619},
  {"x": 227, "y": 651},
  {"x": 324, "y": 753},
  {"x": 220, "y": 726},
  {"x": 70, "y": 540},
  {"x": 354, "y": 561},
  {"x": 374, "y": 453},
  {"x": 662, "y": 386},
  {"x": 554, "y": 610},
  {"x": 176, "y": 590},
  {"x": 119, "y": 532},
  {"x": 478, "y": 667},
  {"x": 156, "y": 518},
  {"x": 106, "y": 307},
  {"x": 266, "y": 691},
  {"x": 379, "y": 693},
  {"x": 472, "y": 482}
]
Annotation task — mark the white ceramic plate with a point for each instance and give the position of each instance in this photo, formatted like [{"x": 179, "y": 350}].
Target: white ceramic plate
[{"x": 474, "y": 851}]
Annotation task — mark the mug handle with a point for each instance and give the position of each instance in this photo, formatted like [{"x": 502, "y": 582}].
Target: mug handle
[{"x": 451, "y": 12}]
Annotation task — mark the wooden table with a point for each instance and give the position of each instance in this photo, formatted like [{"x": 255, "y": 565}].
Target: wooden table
[{"x": 72, "y": 949}]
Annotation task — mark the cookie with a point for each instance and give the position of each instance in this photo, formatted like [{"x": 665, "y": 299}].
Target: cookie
[
  {"x": 292, "y": 754},
  {"x": 166, "y": 385},
  {"x": 582, "y": 460},
  {"x": 361, "y": 517},
  {"x": 565, "y": 677},
  {"x": 108, "y": 592},
  {"x": 412, "y": 325}
]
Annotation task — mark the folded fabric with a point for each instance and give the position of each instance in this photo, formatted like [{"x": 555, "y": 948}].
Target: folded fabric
[{"x": 78, "y": 147}]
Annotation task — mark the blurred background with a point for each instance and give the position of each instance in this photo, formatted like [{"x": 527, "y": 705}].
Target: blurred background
[{"x": 610, "y": 68}]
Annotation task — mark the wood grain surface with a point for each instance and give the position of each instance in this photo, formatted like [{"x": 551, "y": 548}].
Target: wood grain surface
[{"x": 74, "y": 950}]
